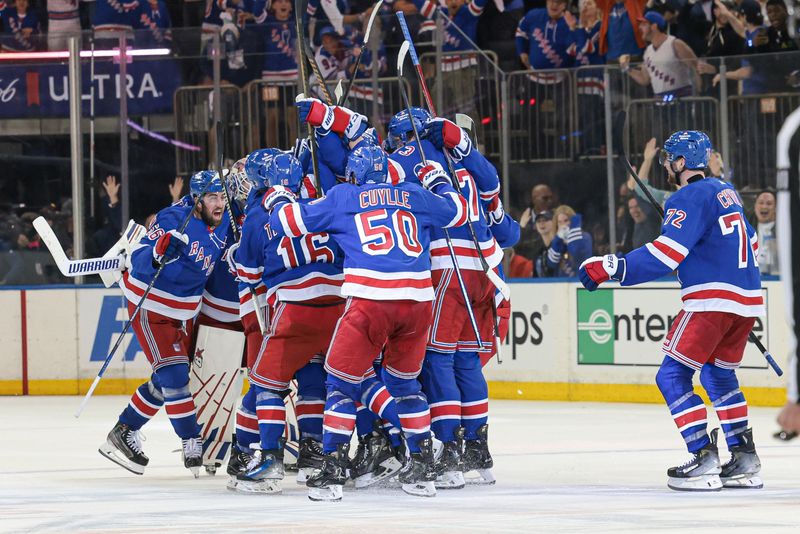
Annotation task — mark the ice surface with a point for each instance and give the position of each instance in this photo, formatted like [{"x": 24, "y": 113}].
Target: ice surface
[{"x": 567, "y": 467}]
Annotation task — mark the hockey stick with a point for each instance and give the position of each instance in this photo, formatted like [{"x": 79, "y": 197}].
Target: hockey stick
[
  {"x": 312, "y": 142},
  {"x": 341, "y": 97},
  {"x": 493, "y": 277},
  {"x": 400, "y": 60},
  {"x": 752, "y": 337},
  {"x": 312, "y": 61},
  {"x": 70, "y": 267},
  {"x": 138, "y": 307}
]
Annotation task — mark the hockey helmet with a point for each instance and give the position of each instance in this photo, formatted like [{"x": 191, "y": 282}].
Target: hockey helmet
[
  {"x": 237, "y": 182},
  {"x": 204, "y": 182},
  {"x": 286, "y": 170},
  {"x": 691, "y": 145},
  {"x": 400, "y": 127},
  {"x": 367, "y": 164},
  {"x": 255, "y": 167}
]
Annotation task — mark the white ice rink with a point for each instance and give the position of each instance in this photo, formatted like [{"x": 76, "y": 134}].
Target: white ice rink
[{"x": 567, "y": 467}]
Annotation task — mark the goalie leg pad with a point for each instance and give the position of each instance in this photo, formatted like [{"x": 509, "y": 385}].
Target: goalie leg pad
[
  {"x": 722, "y": 387},
  {"x": 271, "y": 417},
  {"x": 144, "y": 404},
  {"x": 439, "y": 384},
  {"x": 674, "y": 380},
  {"x": 339, "y": 420},
  {"x": 474, "y": 392},
  {"x": 310, "y": 404},
  {"x": 178, "y": 400},
  {"x": 247, "y": 432}
]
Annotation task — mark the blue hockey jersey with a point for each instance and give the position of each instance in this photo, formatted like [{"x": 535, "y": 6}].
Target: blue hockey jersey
[
  {"x": 248, "y": 257},
  {"x": 280, "y": 59},
  {"x": 384, "y": 231},
  {"x": 545, "y": 40},
  {"x": 116, "y": 15},
  {"x": 466, "y": 19},
  {"x": 707, "y": 238},
  {"x": 221, "y": 294},
  {"x": 178, "y": 290}
]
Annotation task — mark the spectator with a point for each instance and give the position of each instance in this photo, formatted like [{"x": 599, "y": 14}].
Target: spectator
[
  {"x": 20, "y": 24},
  {"x": 646, "y": 222},
  {"x": 660, "y": 195},
  {"x": 175, "y": 189},
  {"x": 280, "y": 67},
  {"x": 543, "y": 37},
  {"x": 764, "y": 212},
  {"x": 722, "y": 38},
  {"x": 780, "y": 39},
  {"x": 618, "y": 35},
  {"x": 716, "y": 166},
  {"x": 585, "y": 47},
  {"x": 669, "y": 64},
  {"x": 570, "y": 246},
  {"x": 63, "y": 22},
  {"x": 458, "y": 71},
  {"x": 332, "y": 55},
  {"x": 530, "y": 243},
  {"x": 361, "y": 95},
  {"x": 156, "y": 25},
  {"x": 694, "y": 21},
  {"x": 545, "y": 227},
  {"x": 115, "y": 16}
]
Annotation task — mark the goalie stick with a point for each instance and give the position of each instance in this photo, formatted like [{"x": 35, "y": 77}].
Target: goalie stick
[
  {"x": 621, "y": 118},
  {"x": 401, "y": 56},
  {"x": 299, "y": 9}
]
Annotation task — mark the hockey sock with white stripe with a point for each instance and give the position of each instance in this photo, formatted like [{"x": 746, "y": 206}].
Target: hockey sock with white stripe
[
  {"x": 675, "y": 382},
  {"x": 440, "y": 387},
  {"x": 339, "y": 420},
  {"x": 722, "y": 387},
  {"x": 310, "y": 404},
  {"x": 474, "y": 392},
  {"x": 271, "y": 413},
  {"x": 144, "y": 404},
  {"x": 247, "y": 422},
  {"x": 376, "y": 397}
]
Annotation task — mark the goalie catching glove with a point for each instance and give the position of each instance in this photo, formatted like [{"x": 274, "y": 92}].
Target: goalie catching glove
[
  {"x": 446, "y": 134},
  {"x": 599, "y": 269},
  {"x": 169, "y": 247}
]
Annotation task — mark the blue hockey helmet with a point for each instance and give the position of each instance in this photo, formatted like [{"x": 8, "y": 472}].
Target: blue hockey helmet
[
  {"x": 204, "y": 182},
  {"x": 285, "y": 170},
  {"x": 400, "y": 127},
  {"x": 691, "y": 145},
  {"x": 367, "y": 164},
  {"x": 256, "y": 165}
]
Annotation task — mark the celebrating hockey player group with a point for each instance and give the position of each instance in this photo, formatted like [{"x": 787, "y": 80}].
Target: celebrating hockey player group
[{"x": 366, "y": 279}]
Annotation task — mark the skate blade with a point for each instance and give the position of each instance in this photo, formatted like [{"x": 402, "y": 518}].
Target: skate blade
[
  {"x": 385, "y": 470},
  {"x": 111, "y": 452},
  {"x": 450, "y": 480},
  {"x": 743, "y": 482},
  {"x": 332, "y": 493},
  {"x": 195, "y": 471},
  {"x": 254, "y": 487},
  {"x": 420, "y": 489},
  {"x": 480, "y": 477},
  {"x": 701, "y": 483}
]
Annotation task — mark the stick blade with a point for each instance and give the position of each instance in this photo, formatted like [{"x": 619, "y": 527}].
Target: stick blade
[
  {"x": 53, "y": 245},
  {"x": 498, "y": 283},
  {"x": 375, "y": 9},
  {"x": 401, "y": 57}
]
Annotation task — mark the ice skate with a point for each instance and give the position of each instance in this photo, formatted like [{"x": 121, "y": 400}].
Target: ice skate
[
  {"x": 123, "y": 446},
  {"x": 741, "y": 471},
  {"x": 327, "y": 483},
  {"x": 374, "y": 461},
  {"x": 237, "y": 464},
  {"x": 478, "y": 461},
  {"x": 419, "y": 473},
  {"x": 263, "y": 474},
  {"x": 450, "y": 466},
  {"x": 309, "y": 459},
  {"x": 193, "y": 455},
  {"x": 701, "y": 473}
]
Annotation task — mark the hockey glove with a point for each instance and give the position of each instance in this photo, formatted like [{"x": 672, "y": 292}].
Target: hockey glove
[
  {"x": 445, "y": 134},
  {"x": 357, "y": 124},
  {"x": 432, "y": 175},
  {"x": 169, "y": 247},
  {"x": 275, "y": 196},
  {"x": 315, "y": 113},
  {"x": 599, "y": 269},
  {"x": 495, "y": 211}
]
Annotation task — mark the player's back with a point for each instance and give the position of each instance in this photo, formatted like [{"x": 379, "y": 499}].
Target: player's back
[
  {"x": 384, "y": 231},
  {"x": 301, "y": 268},
  {"x": 719, "y": 272}
]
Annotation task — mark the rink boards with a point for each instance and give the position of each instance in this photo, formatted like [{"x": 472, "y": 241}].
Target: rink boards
[{"x": 564, "y": 343}]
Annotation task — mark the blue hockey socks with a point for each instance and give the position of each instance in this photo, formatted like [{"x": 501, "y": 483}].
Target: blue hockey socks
[
  {"x": 675, "y": 382},
  {"x": 474, "y": 393},
  {"x": 722, "y": 387}
]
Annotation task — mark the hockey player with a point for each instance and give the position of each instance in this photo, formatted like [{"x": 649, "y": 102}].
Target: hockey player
[
  {"x": 303, "y": 277},
  {"x": 163, "y": 326},
  {"x": 384, "y": 231},
  {"x": 707, "y": 238}
]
